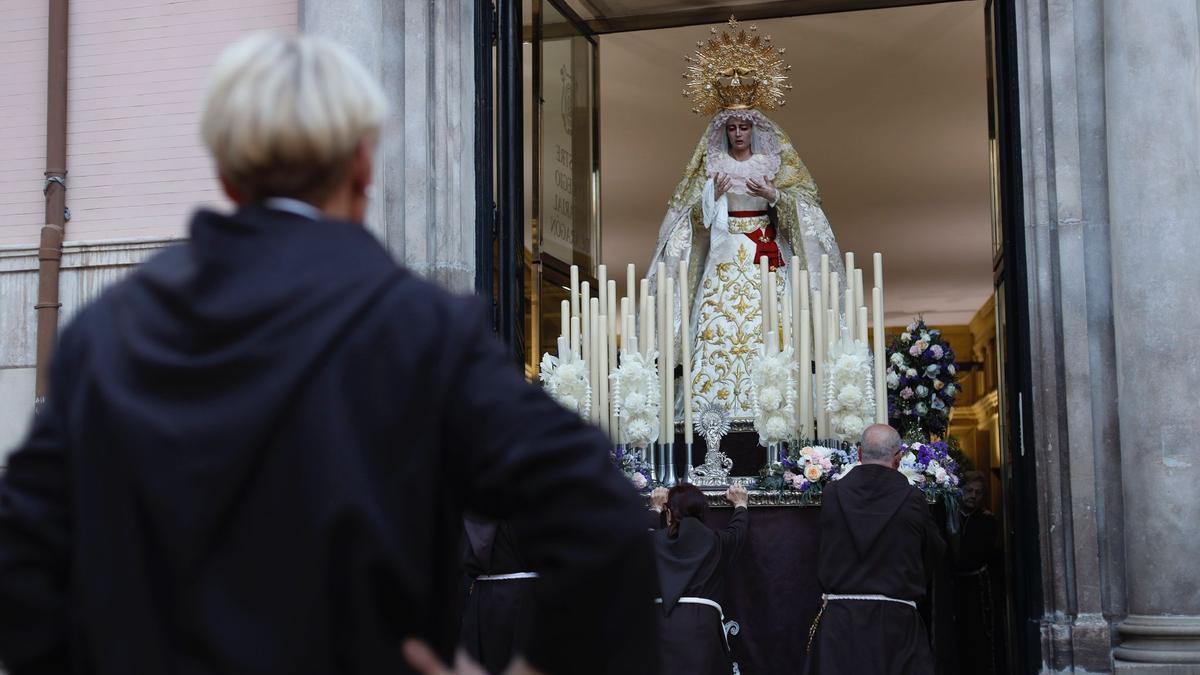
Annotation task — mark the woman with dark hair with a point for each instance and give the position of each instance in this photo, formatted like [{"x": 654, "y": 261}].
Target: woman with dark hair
[{"x": 692, "y": 561}]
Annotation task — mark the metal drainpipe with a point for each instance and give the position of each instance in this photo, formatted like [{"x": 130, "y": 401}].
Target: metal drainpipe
[{"x": 50, "y": 246}]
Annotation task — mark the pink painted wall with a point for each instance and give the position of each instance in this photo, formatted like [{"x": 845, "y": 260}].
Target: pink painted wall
[
  {"x": 23, "y": 34},
  {"x": 137, "y": 69}
]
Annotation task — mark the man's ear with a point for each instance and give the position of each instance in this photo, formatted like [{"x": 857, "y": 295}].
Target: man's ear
[
  {"x": 363, "y": 170},
  {"x": 229, "y": 191}
]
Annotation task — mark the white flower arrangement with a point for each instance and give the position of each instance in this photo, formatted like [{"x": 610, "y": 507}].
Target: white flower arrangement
[
  {"x": 566, "y": 380},
  {"x": 635, "y": 392},
  {"x": 773, "y": 394},
  {"x": 849, "y": 392}
]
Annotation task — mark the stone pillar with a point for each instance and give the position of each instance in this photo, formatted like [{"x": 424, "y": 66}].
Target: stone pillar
[
  {"x": 1152, "y": 81},
  {"x": 422, "y": 51}
]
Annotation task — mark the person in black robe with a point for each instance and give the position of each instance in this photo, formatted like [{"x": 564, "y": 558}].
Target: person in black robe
[
  {"x": 256, "y": 448},
  {"x": 692, "y": 562},
  {"x": 878, "y": 539},
  {"x": 498, "y": 613},
  {"x": 974, "y": 551}
]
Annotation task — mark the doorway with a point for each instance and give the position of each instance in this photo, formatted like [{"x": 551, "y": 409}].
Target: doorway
[{"x": 602, "y": 83}]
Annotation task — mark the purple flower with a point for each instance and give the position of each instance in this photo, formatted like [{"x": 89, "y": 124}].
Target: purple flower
[
  {"x": 914, "y": 350},
  {"x": 936, "y": 350},
  {"x": 906, "y": 393}
]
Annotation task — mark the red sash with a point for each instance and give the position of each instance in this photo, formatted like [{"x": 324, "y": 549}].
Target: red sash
[{"x": 768, "y": 248}]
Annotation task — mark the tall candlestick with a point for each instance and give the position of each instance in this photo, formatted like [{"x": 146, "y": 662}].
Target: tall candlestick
[
  {"x": 613, "y": 320},
  {"x": 881, "y": 409},
  {"x": 861, "y": 325},
  {"x": 575, "y": 336},
  {"x": 631, "y": 285},
  {"x": 574, "y": 290},
  {"x": 835, "y": 301},
  {"x": 651, "y": 327},
  {"x": 820, "y": 341},
  {"x": 805, "y": 416},
  {"x": 785, "y": 321},
  {"x": 626, "y": 333},
  {"x": 859, "y": 300},
  {"x": 602, "y": 286},
  {"x": 851, "y": 315},
  {"x": 764, "y": 310},
  {"x": 773, "y": 308},
  {"x": 594, "y": 349},
  {"x": 602, "y": 334},
  {"x": 645, "y": 317},
  {"x": 824, "y": 277},
  {"x": 565, "y": 316},
  {"x": 685, "y": 351},
  {"x": 668, "y": 341},
  {"x": 586, "y": 319}
]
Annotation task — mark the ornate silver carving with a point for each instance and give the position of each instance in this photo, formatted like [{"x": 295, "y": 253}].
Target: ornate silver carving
[{"x": 713, "y": 422}]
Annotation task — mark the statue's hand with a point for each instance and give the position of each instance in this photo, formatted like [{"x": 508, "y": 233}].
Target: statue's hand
[
  {"x": 721, "y": 184},
  {"x": 765, "y": 189}
]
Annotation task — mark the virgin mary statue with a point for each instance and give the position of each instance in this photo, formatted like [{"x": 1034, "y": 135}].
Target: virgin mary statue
[{"x": 745, "y": 194}]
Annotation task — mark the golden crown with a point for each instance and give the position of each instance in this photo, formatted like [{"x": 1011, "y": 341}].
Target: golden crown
[{"x": 735, "y": 71}]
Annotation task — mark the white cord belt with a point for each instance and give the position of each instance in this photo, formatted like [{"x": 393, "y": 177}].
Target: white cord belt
[
  {"x": 506, "y": 577},
  {"x": 727, "y": 627},
  {"x": 868, "y": 596},
  {"x": 689, "y": 600}
]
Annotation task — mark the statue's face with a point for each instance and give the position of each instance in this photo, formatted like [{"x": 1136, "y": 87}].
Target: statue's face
[{"x": 738, "y": 132}]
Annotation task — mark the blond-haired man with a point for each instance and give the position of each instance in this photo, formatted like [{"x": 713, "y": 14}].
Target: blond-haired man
[{"x": 256, "y": 448}]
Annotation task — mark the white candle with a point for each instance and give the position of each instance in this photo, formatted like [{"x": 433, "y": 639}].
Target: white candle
[
  {"x": 785, "y": 321},
  {"x": 834, "y": 303},
  {"x": 668, "y": 341},
  {"x": 651, "y": 326},
  {"x": 879, "y": 271},
  {"x": 626, "y": 333},
  {"x": 602, "y": 286},
  {"x": 851, "y": 315},
  {"x": 574, "y": 290},
  {"x": 602, "y": 338},
  {"x": 565, "y": 313},
  {"x": 645, "y": 317},
  {"x": 805, "y": 416},
  {"x": 824, "y": 277},
  {"x": 773, "y": 310},
  {"x": 594, "y": 363},
  {"x": 685, "y": 350},
  {"x": 764, "y": 309},
  {"x": 832, "y": 330},
  {"x": 859, "y": 300},
  {"x": 586, "y": 320},
  {"x": 804, "y": 289},
  {"x": 612, "y": 356},
  {"x": 631, "y": 286},
  {"x": 575, "y": 336},
  {"x": 861, "y": 325},
  {"x": 881, "y": 410},
  {"x": 819, "y": 344},
  {"x": 849, "y": 269}
]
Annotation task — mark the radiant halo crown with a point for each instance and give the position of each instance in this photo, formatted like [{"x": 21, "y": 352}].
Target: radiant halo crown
[{"x": 736, "y": 70}]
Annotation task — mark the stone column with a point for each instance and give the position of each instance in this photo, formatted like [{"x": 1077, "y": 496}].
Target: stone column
[
  {"x": 422, "y": 51},
  {"x": 1152, "y": 81}
]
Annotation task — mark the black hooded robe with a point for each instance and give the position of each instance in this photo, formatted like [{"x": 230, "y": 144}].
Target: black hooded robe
[
  {"x": 877, "y": 538},
  {"x": 694, "y": 564},
  {"x": 498, "y": 613},
  {"x": 254, "y": 458}
]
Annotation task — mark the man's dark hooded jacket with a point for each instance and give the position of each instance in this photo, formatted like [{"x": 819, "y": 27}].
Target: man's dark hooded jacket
[
  {"x": 877, "y": 538},
  {"x": 254, "y": 457}
]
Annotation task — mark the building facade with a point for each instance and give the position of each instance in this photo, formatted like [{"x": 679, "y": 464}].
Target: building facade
[{"x": 1097, "y": 142}]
